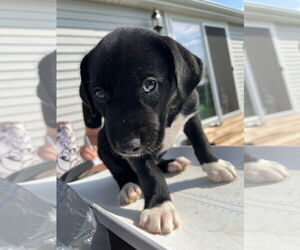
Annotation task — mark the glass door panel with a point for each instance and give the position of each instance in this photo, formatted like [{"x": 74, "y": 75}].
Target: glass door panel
[
  {"x": 223, "y": 70},
  {"x": 266, "y": 70}
]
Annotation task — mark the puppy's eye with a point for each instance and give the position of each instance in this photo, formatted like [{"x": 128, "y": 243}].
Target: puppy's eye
[
  {"x": 149, "y": 85},
  {"x": 100, "y": 95}
]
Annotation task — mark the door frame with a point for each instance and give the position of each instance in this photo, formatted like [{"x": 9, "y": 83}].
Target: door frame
[
  {"x": 231, "y": 59},
  {"x": 253, "y": 93},
  {"x": 258, "y": 118}
]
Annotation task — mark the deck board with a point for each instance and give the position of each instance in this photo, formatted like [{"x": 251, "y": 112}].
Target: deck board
[
  {"x": 229, "y": 133},
  {"x": 284, "y": 131}
]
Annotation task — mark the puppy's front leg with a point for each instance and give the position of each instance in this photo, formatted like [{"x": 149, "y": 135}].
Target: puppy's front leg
[
  {"x": 121, "y": 171},
  {"x": 260, "y": 170},
  {"x": 217, "y": 170},
  {"x": 159, "y": 214}
]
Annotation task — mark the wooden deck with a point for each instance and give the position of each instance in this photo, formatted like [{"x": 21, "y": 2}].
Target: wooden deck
[
  {"x": 230, "y": 133},
  {"x": 284, "y": 131}
]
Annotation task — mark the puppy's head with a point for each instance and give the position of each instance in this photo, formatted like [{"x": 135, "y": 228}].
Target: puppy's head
[{"x": 136, "y": 79}]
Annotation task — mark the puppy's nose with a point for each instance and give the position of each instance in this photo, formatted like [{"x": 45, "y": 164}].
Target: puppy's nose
[{"x": 129, "y": 147}]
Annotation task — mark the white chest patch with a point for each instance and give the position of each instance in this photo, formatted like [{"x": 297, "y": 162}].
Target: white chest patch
[{"x": 172, "y": 133}]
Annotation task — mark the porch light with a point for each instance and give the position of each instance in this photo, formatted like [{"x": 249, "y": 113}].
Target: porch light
[{"x": 157, "y": 20}]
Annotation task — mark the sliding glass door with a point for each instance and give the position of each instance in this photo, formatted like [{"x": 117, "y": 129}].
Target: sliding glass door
[
  {"x": 189, "y": 35},
  {"x": 217, "y": 90}
]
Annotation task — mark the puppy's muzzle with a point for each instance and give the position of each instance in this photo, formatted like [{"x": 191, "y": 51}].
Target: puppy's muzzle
[{"x": 130, "y": 147}]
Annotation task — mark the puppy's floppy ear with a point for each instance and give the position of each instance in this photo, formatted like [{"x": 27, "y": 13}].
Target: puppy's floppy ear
[
  {"x": 188, "y": 67},
  {"x": 84, "y": 89}
]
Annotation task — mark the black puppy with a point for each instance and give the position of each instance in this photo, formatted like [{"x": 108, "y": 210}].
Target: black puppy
[{"x": 144, "y": 86}]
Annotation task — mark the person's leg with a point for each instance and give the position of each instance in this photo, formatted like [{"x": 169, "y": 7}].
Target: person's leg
[{"x": 92, "y": 128}]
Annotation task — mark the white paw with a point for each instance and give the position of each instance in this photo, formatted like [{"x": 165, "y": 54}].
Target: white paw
[
  {"x": 162, "y": 219},
  {"x": 129, "y": 193},
  {"x": 179, "y": 164},
  {"x": 265, "y": 171},
  {"x": 220, "y": 171}
]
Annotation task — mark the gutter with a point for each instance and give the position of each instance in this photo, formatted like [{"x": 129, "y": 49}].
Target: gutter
[
  {"x": 269, "y": 13},
  {"x": 193, "y": 8}
]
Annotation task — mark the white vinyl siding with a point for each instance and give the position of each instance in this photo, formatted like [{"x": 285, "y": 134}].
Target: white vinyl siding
[
  {"x": 27, "y": 34},
  {"x": 81, "y": 25},
  {"x": 289, "y": 48},
  {"x": 237, "y": 44}
]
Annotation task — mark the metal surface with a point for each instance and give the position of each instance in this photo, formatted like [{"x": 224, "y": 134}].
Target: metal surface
[{"x": 211, "y": 214}]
